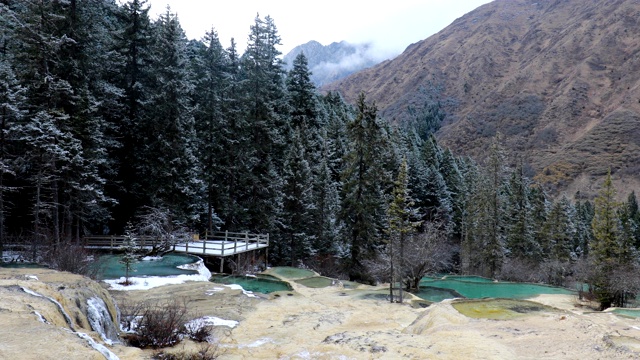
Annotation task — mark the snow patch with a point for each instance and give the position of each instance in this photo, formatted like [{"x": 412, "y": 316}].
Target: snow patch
[
  {"x": 195, "y": 324},
  {"x": 31, "y": 277},
  {"x": 238, "y": 287},
  {"x": 214, "y": 290},
  {"x": 258, "y": 343},
  {"x": 148, "y": 282},
  {"x": 151, "y": 258}
]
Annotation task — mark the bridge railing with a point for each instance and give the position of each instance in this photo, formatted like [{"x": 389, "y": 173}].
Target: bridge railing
[
  {"x": 226, "y": 242},
  {"x": 115, "y": 241},
  {"x": 221, "y": 241}
]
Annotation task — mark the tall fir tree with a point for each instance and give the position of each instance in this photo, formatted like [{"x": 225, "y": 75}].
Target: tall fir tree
[
  {"x": 363, "y": 206},
  {"x": 168, "y": 164},
  {"x": 298, "y": 207},
  {"x": 266, "y": 115},
  {"x": 210, "y": 75},
  {"x": 520, "y": 239},
  {"x": 403, "y": 221}
]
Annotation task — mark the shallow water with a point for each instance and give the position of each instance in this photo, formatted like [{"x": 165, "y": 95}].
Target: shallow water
[
  {"x": 627, "y": 312},
  {"x": 477, "y": 288},
  {"x": 316, "y": 282},
  {"x": 109, "y": 266},
  {"x": 498, "y": 309},
  {"x": 290, "y": 272},
  {"x": 259, "y": 284}
]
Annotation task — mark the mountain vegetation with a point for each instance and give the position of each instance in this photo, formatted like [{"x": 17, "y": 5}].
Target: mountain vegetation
[
  {"x": 110, "y": 118},
  {"x": 557, "y": 79}
]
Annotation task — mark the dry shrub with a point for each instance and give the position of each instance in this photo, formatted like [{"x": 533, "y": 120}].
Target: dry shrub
[
  {"x": 71, "y": 258},
  {"x": 160, "y": 324},
  {"x": 205, "y": 352}
]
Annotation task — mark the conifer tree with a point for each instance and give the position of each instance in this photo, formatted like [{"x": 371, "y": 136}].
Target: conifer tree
[
  {"x": 266, "y": 114},
  {"x": 402, "y": 217},
  {"x": 605, "y": 248},
  {"x": 168, "y": 165},
  {"x": 520, "y": 239},
  {"x": 211, "y": 79},
  {"x": 297, "y": 209},
  {"x": 559, "y": 232},
  {"x": 363, "y": 205},
  {"x": 12, "y": 111}
]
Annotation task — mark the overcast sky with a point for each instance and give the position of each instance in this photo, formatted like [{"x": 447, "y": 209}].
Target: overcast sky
[{"x": 390, "y": 25}]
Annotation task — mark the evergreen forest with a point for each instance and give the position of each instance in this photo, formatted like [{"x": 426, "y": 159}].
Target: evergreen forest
[{"x": 109, "y": 117}]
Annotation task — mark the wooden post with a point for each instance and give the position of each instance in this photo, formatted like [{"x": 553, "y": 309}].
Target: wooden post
[
  {"x": 204, "y": 247},
  {"x": 246, "y": 239},
  {"x": 221, "y": 265},
  {"x": 187, "y": 247}
]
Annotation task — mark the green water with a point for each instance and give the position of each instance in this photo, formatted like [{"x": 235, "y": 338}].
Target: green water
[
  {"x": 477, "y": 288},
  {"x": 316, "y": 282},
  {"x": 109, "y": 266},
  {"x": 498, "y": 309},
  {"x": 290, "y": 272},
  {"x": 261, "y": 284},
  {"x": 627, "y": 312},
  {"x": 435, "y": 294}
]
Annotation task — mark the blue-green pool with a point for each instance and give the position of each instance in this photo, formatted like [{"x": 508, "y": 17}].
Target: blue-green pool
[
  {"x": 474, "y": 287},
  {"x": 109, "y": 266},
  {"x": 261, "y": 284}
]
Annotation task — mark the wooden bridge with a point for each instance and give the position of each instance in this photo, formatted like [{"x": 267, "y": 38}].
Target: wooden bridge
[{"x": 218, "y": 244}]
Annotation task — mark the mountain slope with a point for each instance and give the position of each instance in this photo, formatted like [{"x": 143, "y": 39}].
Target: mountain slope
[{"x": 559, "y": 79}]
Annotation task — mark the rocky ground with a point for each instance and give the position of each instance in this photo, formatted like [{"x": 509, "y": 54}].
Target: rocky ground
[{"x": 306, "y": 323}]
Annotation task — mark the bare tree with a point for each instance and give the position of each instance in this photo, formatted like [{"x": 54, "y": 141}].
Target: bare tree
[
  {"x": 159, "y": 225},
  {"x": 427, "y": 252}
]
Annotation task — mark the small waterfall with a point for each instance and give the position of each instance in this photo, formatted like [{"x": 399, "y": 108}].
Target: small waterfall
[
  {"x": 100, "y": 320},
  {"x": 60, "y": 308},
  {"x": 98, "y": 347}
]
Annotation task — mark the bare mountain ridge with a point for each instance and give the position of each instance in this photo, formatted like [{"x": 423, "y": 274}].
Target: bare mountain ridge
[{"x": 559, "y": 79}]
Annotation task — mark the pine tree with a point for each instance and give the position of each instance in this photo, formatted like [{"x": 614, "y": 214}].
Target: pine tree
[
  {"x": 584, "y": 230},
  {"x": 402, "y": 216},
  {"x": 134, "y": 41},
  {"x": 297, "y": 209},
  {"x": 266, "y": 115},
  {"x": 520, "y": 240},
  {"x": 605, "y": 248},
  {"x": 362, "y": 213},
  {"x": 12, "y": 111},
  {"x": 211, "y": 80},
  {"x": 327, "y": 205},
  {"x": 169, "y": 163},
  {"x": 486, "y": 211},
  {"x": 605, "y": 225},
  {"x": 559, "y": 232}
]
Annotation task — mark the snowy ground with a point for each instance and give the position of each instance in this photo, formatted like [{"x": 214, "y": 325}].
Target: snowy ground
[{"x": 149, "y": 282}]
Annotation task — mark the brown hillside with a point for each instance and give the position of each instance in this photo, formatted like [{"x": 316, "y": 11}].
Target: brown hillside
[{"x": 560, "y": 79}]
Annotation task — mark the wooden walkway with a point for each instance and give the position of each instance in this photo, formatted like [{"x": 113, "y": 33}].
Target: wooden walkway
[{"x": 219, "y": 244}]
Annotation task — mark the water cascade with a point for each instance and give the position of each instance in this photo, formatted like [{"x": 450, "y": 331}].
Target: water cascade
[
  {"x": 98, "y": 347},
  {"x": 100, "y": 320}
]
